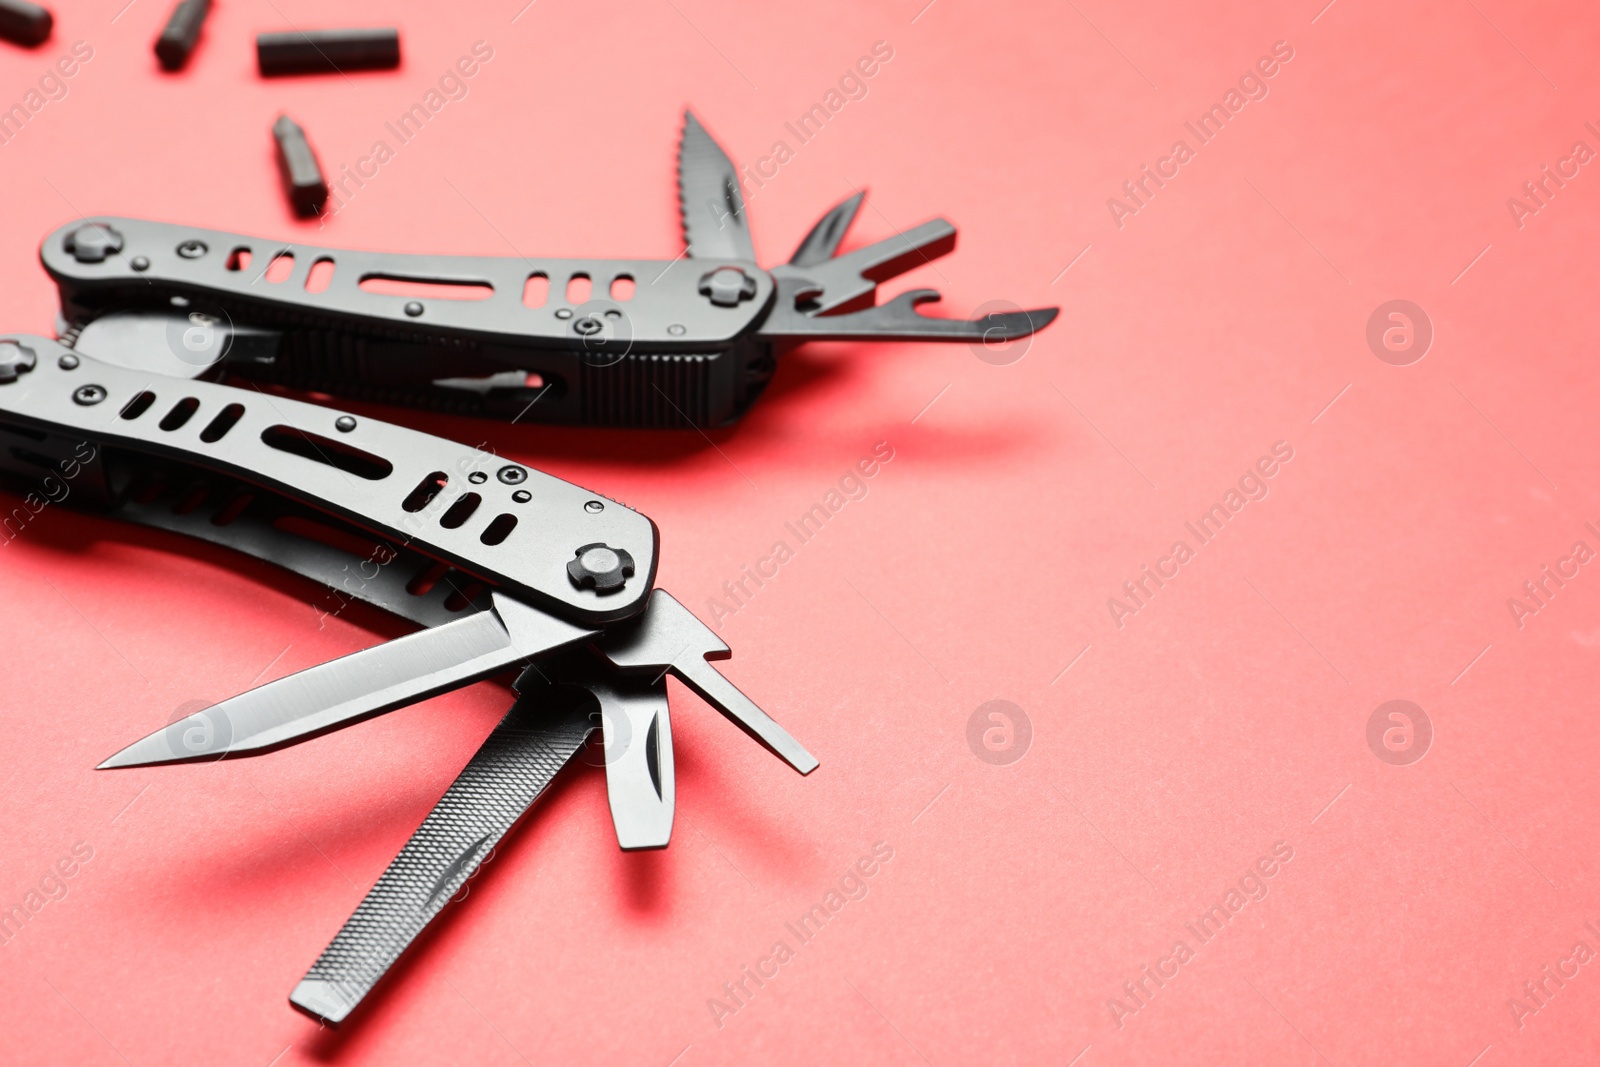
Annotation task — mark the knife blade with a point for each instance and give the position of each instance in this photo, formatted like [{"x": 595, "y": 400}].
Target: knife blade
[
  {"x": 823, "y": 241},
  {"x": 354, "y": 687},
  {"x": 714, "y": 222},
  {"x": 637, "y": 731}
]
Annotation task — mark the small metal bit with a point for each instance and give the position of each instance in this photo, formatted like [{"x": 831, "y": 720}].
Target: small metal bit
[
  {"x": 327, "y": 51},
  {"x": 297, "y": 163},
  {"x": 24, "y": 23},
  {"x": 181, "y": 33}
]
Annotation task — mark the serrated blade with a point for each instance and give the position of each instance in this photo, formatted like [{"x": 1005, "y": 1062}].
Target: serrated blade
[
  {"x": 714, "y": 221},
  {"x": 544, "y": 729},
  {"x": 354, "y": 687}
]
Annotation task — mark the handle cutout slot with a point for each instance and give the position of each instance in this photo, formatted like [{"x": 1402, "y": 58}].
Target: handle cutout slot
[
  {"x": 280, "y": 268},
  {"x": 423, "y": 495},
  {"x": 181, "y": 413},
  {"x": 536, "y": 290},
  {"x": 218, "y": 428},
  {"x": 421, "y": 289},
  {"x": 138, "y": 405},
  {"x": 460, "y": 511},
  {"x": 320, "y": 275},
  {"x": 498, "y": 530},
  {"x": 327, "y": 451}
]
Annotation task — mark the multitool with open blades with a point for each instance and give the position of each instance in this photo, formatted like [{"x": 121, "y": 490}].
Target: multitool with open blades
[
  {"x": 503, "y": 566},
  {"x": 685, "y": 342}
]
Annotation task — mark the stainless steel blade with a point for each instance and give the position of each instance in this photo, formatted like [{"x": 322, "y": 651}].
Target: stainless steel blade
[
  {"x": 822, "y": 242},
  {"x": 541, "y": 733},
  {"x": 668, "y": 636},
  {"x": 354, "y": 687},
  {"x": 714, "y": 222},
  {"x": 637, "y": 730},
  {"x": 850, "y": 281}
]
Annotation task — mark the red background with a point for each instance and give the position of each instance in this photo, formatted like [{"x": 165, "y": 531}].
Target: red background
[{"x": 1227, "y": 715}]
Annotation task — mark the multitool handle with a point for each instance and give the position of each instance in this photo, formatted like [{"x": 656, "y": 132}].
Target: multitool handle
[{"x": 569, "y": 551}]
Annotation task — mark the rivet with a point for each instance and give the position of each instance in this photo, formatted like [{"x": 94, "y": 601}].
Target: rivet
[
  {"x": 140, "y": 263},
  {"x": 68, "y": 362},
  {"x": 344, "y": 423},
  {"x": 594, "y": 507},
  {"x": 413, "y": 308}
]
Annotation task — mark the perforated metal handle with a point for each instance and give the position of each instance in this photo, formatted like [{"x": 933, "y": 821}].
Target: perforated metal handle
[{"x": 505, "y": 523}]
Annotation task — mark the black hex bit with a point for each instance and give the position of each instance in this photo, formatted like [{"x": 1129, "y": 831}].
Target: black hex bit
[
  {"x": 327, "y": 51},
  {"x": 24, "y": 23},
  {"x": 181, "y": 33},
  {"x": 297, "y": 163}
]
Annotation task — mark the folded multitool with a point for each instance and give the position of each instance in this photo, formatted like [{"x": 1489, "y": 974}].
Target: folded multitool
[
  {"x": 503, "y": 567},
  {"x": 647, "y": 343}
]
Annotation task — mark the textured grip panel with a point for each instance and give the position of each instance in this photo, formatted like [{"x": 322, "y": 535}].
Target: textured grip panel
[{"x": 539, "y": 735}]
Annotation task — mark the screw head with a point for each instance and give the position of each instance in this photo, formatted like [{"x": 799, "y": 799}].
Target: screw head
[
  {"x": 477, "y": 477},
  {"x": 513, "y": 475},
  {"x": 192, "y": 249},
  {"x": 68, "y": 362},
  {"x": 89, "y": 395},
  {"x": 14, "y": 359},
  {"x": 600, "y": 567},
  {"x": 413, "y": 308},
  {"x": 93, "y": 242},
  {"x": 344, "y": 423},
  {"x": 140, "y": 263},
  {"x": 594, "y": 507}
]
